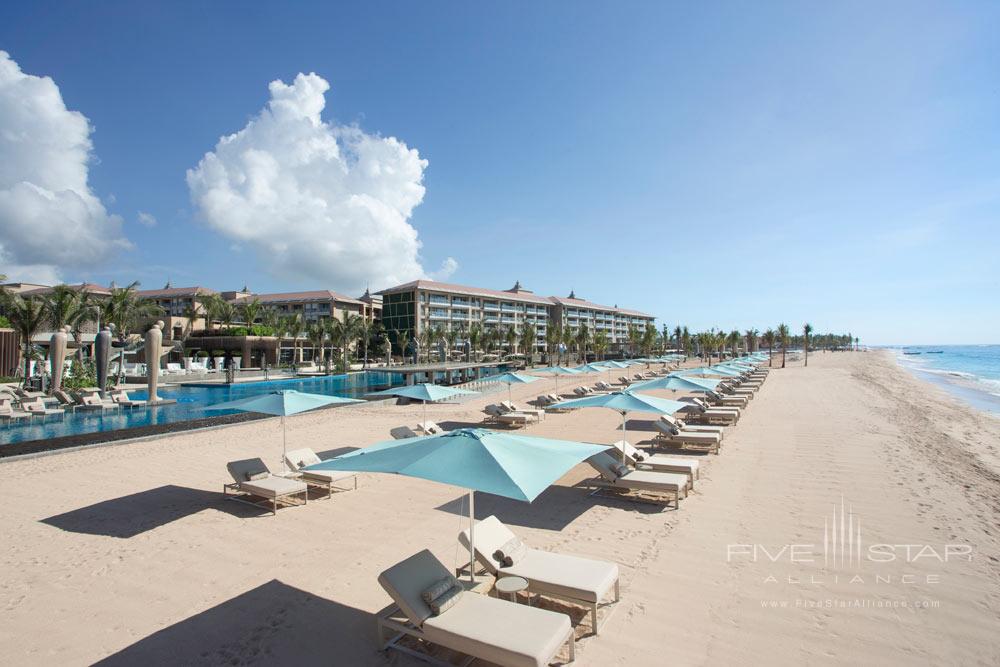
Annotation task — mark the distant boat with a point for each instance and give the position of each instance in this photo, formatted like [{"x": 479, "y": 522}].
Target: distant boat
[
  {"x": 915, "y": 353},
  {"x": 933, "y": 352}
]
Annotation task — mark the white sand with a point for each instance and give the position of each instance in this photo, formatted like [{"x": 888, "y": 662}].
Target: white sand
[{"x": 127, "y": 553}]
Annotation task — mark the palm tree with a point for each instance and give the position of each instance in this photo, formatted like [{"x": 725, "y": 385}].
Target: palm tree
[
  {"x": 344, "y": 332},
  {"x": 807, "y": 330},
  {"x": 768, "y": 339},
  {"x": 733, "y": 339},
  {"x": 475, "y": 338},
  {"x": 125, "y": 309},
  {"x": 529, "y": 339},
  {"x": 251, "y": 310},
  {"x": 270, "y": 318},
  {"x": 66, "y": 306},
  {"x": 510, "y": 337},
  {"x": 751, "y": 337},
  {"x": 451, "y": 337},
  {"x": 553, "y": 336},
  {"x": 567, "y": 341},
  {"x": 402, "y": 337},
  {"x": 783, "y": 339},
  {"x": 27, "y": 317},
  {"x": 600, "y": 344},
  {"x": 316, "y": 334},
  {"x": 365, "y": 329},
  {"x": 677, "y": 337},
  {"x": 293, "y": 326},
  {"x": 686, "y": 342},
  {"x": 582, "y": 342},
  {"x": 648, "y": 339}
]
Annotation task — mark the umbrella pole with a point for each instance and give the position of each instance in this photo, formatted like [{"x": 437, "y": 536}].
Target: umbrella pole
[
  {"x": 284, "y": 445},
  {"x": 624, "y": 436},
  {"x": 472, "y": 535}
]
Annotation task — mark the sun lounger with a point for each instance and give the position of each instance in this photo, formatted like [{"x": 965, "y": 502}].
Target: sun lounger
[
  {"x": 727, "y": 400},
  {"x": 429, "y": 428},
  {"x": 713, "y": 415},
  {"x": 604, "y": 386},
  {"x": 8, "y": 412},
  {"x": 659, "y": 462},
  {"x": 493, "y": 630},
  {"x": 697, "y": 428},
  {"x": 36, "y": 407},
  {"x": 402, "y": 432},
  {"x": 123, "y": 399},
  {"x": 669, "y": 433},
  {"x": 252, "y": 479},
  {"x": 509, "y": 407},
  {"x": 324, "y": 479},
  {"x": 581, "y": 581},
  {"x": 614, "y": 477},
  {"x": 516, "y": 419},
  {"x": 624, "y": 381}
]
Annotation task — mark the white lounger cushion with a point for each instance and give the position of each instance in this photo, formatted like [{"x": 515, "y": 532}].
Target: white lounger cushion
[
  {"x": 557, "y": 574},
  {"x": 488, "y": 628},
  {"x": 273, "y": 487},
  {"x": 298, "y": 458},
  {"x": 499, "y": 631}
]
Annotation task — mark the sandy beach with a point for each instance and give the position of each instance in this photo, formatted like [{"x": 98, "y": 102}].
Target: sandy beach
[{"x": 128, "y": 554}]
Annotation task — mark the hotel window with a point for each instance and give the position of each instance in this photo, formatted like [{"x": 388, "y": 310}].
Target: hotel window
[{"x": 440, "y": 298}]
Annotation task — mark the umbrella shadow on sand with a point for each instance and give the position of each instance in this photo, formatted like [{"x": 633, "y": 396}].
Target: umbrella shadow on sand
[
  {"x": 555, "y": 509},
  {"x": 272, "y": 624},
  {"x": 137, "y": 513}
]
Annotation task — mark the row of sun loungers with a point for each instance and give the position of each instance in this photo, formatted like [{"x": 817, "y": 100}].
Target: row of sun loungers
[
  {"x": 254, "y": 483},
  {"x": 486, "y": 628}
]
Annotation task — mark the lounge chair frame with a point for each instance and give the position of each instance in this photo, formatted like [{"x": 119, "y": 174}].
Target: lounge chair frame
[{"x": 233, "y": 491}]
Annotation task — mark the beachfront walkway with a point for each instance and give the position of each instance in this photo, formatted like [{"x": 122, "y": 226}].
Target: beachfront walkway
[{"x": 128, "y": 553}]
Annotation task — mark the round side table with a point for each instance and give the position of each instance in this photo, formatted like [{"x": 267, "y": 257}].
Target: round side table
[{"x": 511, "y": 586}]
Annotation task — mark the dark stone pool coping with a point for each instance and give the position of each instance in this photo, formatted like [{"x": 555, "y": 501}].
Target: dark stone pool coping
[{"x": 104, "y": 437}]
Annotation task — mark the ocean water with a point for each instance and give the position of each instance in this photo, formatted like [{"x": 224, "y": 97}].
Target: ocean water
[{"x": 971, "y": 372}]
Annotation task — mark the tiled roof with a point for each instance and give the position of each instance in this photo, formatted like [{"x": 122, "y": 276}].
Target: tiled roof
[
  {"x": 311, "y": 295},
  {"x": 435, "y": 286},
  {"x": 92, "y": 288},
  {"x": 583, "y": 303},
  {"x": 170, "y": 292}
]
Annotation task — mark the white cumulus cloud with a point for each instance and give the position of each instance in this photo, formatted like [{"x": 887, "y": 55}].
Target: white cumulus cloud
[
  {"x": 50, "y": 220},
  {"x": 146, "y": 219},
  {"x": 316, "y": 200}
]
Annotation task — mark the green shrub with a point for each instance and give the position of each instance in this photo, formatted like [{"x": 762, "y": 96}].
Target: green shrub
[
  {"x": 4, "y": 322},
  {"x": 81, "y": 375}
]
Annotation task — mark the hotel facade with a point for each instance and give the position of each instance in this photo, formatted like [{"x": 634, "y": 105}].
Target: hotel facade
[{"x": 422, "y": 305}]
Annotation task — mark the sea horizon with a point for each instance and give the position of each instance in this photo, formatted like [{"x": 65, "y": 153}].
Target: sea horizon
[{"x": 971, "y": 373}]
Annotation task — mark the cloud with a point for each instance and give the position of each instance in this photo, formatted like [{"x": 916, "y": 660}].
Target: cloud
[
  {"x": 448, "y": 267},
  {"x": 316, "y": 200},
  {"x": 50, "y": 220},
  {"x": 146, "y": 219}
]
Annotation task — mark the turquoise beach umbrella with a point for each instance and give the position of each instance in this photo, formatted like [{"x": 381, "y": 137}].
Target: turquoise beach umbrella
[
  {"x": 674, "y": 383},
  {"x": 282, "y": 403},
  {"x": 595, "y": 367},
  {"x": 513, "y": 378},
  {"x": 705, "y": 372},
  {"x": 504, "y": 464},
  {"x": 556, "y": 371},
  {"x": 624, "y": 402},
  {"x": 424, "y": 392}
]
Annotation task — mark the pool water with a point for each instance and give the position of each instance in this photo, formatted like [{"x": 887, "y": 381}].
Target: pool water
[{"x": 192, "y": 402}]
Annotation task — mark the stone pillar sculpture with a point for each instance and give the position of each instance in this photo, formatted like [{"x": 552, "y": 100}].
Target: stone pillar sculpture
[
  {"x": 102, "y": 354},
  {"x": 57, "y": 357},
  {"x": 154, "y": 343}
]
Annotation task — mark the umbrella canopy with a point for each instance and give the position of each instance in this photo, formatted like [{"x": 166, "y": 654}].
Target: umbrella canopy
[
  {"x": 282, "y": 403},
  {"x": 625, "y": 402},
  {"x": 591, "y": 368},
  {"x": 424, "y": 392},
  {"x": 616, "y": 364},
  {"x": 556, "y": 371},
  {"x": 504, "y": 464},
  {"x": 513, "y": 378},
  {"x": 705, "y": 372},
  {"x": 674, "y": 383}
]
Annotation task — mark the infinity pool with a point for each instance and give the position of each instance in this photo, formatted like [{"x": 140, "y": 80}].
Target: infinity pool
[{"x": 191, "y": 404}]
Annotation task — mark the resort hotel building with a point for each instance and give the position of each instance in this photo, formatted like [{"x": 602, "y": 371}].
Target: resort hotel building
[{"x": 420, "y": 305}]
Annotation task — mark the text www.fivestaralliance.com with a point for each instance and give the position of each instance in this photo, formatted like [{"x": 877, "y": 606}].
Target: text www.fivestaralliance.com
[{"x": 850, "y": 603}]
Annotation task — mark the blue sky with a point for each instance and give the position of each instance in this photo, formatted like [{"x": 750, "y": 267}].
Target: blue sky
[{"x": 732, "y": 166}]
